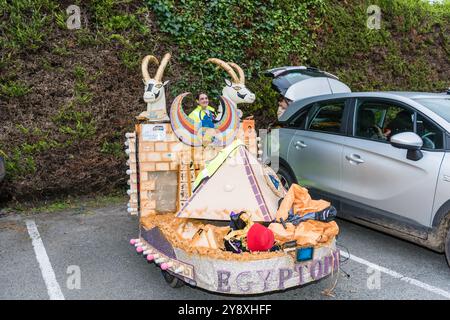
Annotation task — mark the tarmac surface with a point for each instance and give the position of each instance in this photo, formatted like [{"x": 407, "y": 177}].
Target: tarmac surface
[{"x": 85, "y": 254}]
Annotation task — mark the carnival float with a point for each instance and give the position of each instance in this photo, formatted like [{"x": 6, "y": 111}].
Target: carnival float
[{"x": 211, "y": 214}]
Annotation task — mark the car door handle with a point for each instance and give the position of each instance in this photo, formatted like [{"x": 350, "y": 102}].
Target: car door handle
[
  {"x": 354, "y": 158},
  {"x": 300, "y": 144}
]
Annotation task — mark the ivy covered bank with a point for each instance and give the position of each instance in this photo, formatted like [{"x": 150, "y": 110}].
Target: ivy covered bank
[{"x": 68, "y": 96}]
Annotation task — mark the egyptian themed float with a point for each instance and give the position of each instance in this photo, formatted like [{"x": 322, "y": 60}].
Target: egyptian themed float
[{"x": 211, "y": 214}]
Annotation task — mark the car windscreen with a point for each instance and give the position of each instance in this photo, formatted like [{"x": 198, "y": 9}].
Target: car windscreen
[{"x": 439, "y": 106}]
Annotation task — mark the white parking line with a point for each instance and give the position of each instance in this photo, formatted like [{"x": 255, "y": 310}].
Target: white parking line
[
  {"x": 53, "y": 289},
  {"x": 397, "y": 275}
]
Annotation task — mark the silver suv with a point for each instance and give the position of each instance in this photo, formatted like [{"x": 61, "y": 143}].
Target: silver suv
[{"x": 382, "y": 158}]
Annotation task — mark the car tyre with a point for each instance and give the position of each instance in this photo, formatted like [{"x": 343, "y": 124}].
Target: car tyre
[
  {"x": 173, "y": 281},
  {"x": 447, "y": 247},
  {"x": 285, "y": 177}
]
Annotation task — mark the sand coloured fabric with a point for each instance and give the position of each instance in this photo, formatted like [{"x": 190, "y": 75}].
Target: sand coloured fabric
[{"x": 299, "y": 199}]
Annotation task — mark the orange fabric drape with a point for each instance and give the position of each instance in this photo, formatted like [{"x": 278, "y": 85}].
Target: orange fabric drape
[
  {"x": 299, "y": 199},
  {"x": 307, "y": 233}
]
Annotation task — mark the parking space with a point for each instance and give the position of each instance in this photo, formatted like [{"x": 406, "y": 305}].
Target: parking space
[{"x": 95, "y": 243}]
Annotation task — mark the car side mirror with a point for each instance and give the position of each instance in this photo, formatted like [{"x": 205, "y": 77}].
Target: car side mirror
[{"x": 409, "y": 141}]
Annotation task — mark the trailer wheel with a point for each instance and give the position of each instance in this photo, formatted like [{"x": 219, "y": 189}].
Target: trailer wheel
[
  {"x": 173, "y": 281},
  {"x": 447, "y": 247}
]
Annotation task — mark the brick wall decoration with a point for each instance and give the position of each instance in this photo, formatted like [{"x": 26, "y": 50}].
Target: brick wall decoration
[{"x": 162, "y": 169}]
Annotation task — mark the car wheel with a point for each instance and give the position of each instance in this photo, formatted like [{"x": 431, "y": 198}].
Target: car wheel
[
  {"x": 447, "y": 247},
  {"x": 173, "y": 281},
  {"x": 285, "y": 177}
]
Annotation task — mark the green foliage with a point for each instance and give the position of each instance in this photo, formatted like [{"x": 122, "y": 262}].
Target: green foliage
[
  {"x": 25, "y": 23},
  {"x": 76, "y": 124},
  {"x": 61, "y": 51},
  {"x": 61, "y": 18},
  {"x": 18, "y": 164},
  {"x": 112, "y": 148},
  {"x": 85, "y": 38},
  {"x": 20, "y": 161},
  {"x": 255, "y": 34},
  {"x": 130, "y": 58},
  {"x": 82, "y": 205},
  {"x": 13, "y": 89},
  {"x": 125, "y": 22},
  {"x": 391, "y": 58},
  {"x": 108, "y": 18},
  {"x": 79, "y": 72},
  {"x": 411, "y": 51},
  {"x": 128, "y": 29},
  {"x": 82, "y": 91},
  {"x": 39, "y": 146}
]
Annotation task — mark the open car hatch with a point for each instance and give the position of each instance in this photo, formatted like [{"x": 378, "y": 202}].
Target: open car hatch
[{"x": 300, "y": 82}]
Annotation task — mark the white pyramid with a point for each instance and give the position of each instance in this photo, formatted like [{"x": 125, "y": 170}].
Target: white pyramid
[{"x": 240, "y": 183}]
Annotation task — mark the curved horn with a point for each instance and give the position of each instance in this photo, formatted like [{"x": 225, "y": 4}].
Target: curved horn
[
  {"x": 225, "y": 66},
  {"x": 239, "y": 70},
  {"x": 162, "y": 67},
  {"x": 144, "y": 66}
]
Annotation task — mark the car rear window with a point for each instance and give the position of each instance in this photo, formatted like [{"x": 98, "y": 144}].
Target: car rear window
[
  {"x": 439, "y": 106},
  {"x": 327, "y": 116}
]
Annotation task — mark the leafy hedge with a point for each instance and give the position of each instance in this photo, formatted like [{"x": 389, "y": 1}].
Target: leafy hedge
[
  {"x": 68, "y": 96},
  {"x": 256, "y": 34},
  {"x": 411, "y": 51}
]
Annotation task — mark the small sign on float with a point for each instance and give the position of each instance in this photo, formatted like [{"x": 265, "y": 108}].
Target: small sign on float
[{"x": 153, "y": 132}]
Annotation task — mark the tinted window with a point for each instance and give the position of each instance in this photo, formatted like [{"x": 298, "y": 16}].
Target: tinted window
[
  {"x": 369, "y": 121},
  {"x": 380, "y": 120},
  {"x": 300, "y": 121},
  {"x": 327, "y": 117},
  {"x": 432, "y": 136}
]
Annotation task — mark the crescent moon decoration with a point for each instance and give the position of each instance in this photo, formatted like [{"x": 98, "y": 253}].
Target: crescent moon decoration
[
  {"x": 191, "y": 133},
  {"x": 184, "y": 127},
  {"x": 228, "y": 126}
]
